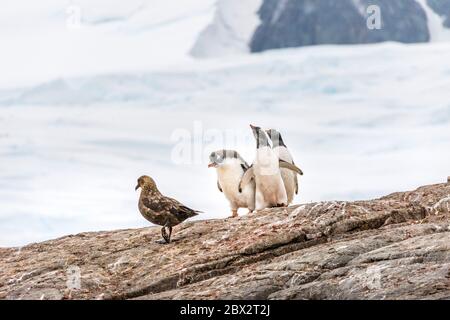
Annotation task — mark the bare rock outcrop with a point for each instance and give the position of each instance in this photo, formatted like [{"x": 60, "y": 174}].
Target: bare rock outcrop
[
  {"x": 297, "y": 23},
  {"x": 395, "y": 247}
]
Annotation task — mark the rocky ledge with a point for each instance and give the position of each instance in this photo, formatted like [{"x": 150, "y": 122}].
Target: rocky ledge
[{"x": 395, "y": 247}]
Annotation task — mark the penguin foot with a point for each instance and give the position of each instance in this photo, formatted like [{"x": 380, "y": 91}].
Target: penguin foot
[
  {"x": 280, "y": 205},
  {"x": 234, "y": 214},
  {"x": 161, "y": 241}
]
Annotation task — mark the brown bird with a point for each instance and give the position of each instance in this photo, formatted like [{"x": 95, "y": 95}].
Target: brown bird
[{"x": 161, "y": 210}]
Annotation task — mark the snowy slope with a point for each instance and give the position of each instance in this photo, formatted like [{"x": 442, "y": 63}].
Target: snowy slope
[
  {"x": 230, "y": 31},
  {"x": 47, "y": 39},
  {"x": 438, "y": 32},
  {"x": 361, "y": 121}
]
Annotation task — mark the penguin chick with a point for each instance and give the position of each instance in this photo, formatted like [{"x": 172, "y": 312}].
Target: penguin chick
[
  {"x": 289, "y": 177},
  {"x": 161, "y": 210},
  {"x": 230, "y": 168},
  {"x": 270, "y": 191}
]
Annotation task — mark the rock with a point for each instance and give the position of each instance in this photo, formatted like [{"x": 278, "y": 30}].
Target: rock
[
  {"x": 394, "y": 247},
  {"x": 442, "y": 8},
  {"x": 295, "y": 23}
]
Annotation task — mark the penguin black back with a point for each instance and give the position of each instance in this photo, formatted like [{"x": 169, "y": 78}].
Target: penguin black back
[
  {"x": 275, "y": 136},
  {"x": 261, "y": 137}
]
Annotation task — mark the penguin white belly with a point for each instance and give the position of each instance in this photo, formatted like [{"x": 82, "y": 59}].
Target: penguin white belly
[
  {"x": 289, "y": 183},
  {"x": 283, "y": 154},
  {"x": 229, "y": 176},
  {"x": 287, "y": 175},
  {"x": 270, "y": 190}
]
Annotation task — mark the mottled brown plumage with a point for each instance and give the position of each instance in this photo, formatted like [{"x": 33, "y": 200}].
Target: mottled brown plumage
[{"x": 161, "y": 210}]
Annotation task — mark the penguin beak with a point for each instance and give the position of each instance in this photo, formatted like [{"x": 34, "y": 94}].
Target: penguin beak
[
  {"x": 212, "y": 165},
  {"x": 137, "y": 187}
]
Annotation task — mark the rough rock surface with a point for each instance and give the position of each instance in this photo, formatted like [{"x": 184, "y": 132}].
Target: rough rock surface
[
  {"x": 295, "y": 23},
  {"x": 442, "y": 8},
  {"x": 395, "y": 247}
]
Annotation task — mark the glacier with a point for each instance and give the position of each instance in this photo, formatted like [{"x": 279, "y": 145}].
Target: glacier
[
  {"x": 361, "y": 121},
  {"x": 64, "y": 38},
  {"x": 86, "y": 110}
]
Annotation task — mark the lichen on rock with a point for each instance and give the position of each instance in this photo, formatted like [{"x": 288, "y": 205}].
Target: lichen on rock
[{"x": 394, "y": 247}]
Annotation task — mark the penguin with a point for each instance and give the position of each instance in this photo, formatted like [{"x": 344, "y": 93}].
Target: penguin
[
  {"x": 289, "y": 177},
  {"x": 230, "y": 168},
  {"x": 270, "y": 190}
]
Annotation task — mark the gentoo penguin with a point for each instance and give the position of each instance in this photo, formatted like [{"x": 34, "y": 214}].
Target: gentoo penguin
[
  {"x": 270, "y": 191},
  {"x": 230, "y": 167},
  {"x": 161, "y": 210},
  {"x": 289, "y": 177}
]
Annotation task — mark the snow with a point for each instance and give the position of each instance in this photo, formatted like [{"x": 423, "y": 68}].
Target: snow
[
  {"x": 230, "y": 31},
  {"x": 438, "y": 32},
  {"x": 94, "y": 94},
  {"x": 361, "y": 122},
  {"x": 48, "y": 39}
]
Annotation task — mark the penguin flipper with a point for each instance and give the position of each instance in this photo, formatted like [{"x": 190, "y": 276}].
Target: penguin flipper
[
  {"x": 296, "y": 184},
  {"x": 218, "y": 186},
  {"x": 290, "y": 166},
  {"x": 246, "y": 178}
]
